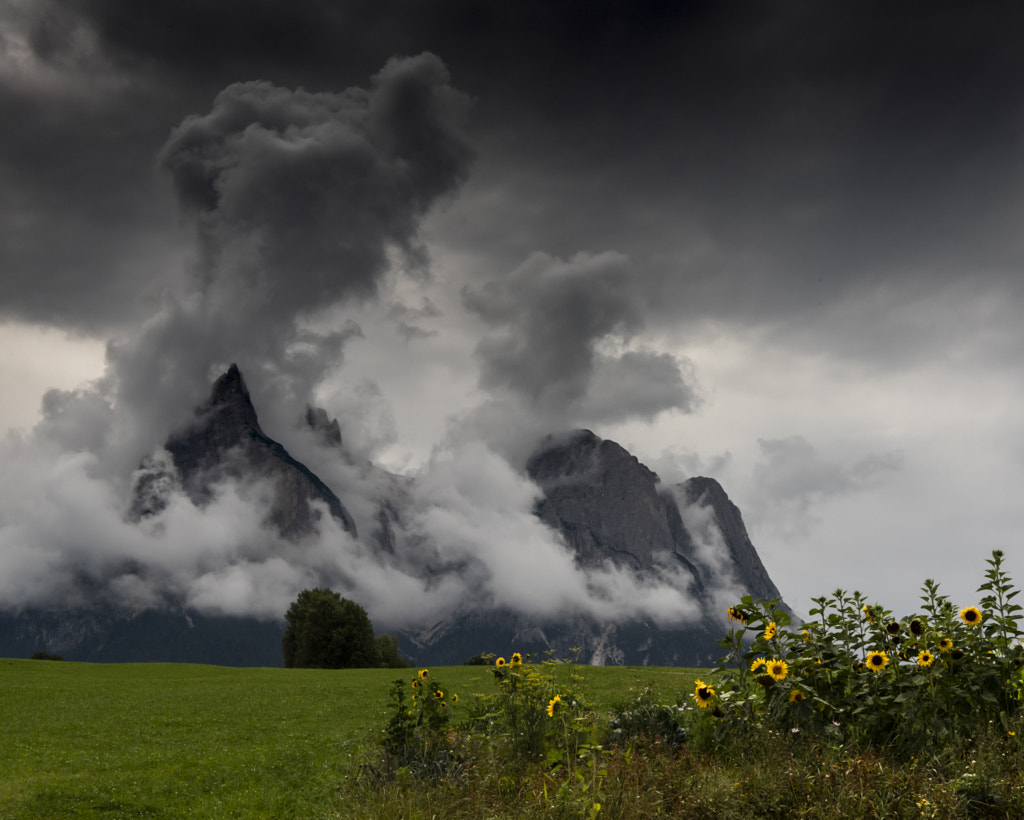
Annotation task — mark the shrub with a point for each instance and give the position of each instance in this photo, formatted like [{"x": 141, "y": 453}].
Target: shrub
[
  {"x": 858, "y": 673},
  {"x": 45, "y": 656}
]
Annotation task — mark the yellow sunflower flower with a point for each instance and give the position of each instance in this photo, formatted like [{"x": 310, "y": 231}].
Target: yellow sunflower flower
[
  {"x": 424, "y": 673},
  {"x": 925, "y": 658},
  {"x": 867, "y": 614},
  {"x": 703, "y": 694},
  {"x": 877, "y": 661},
  {"x": 553, "y": 704},
  {"x": 796, "y": 696},
  {"x": 970, "y": 616},
  {"x": 517, "y": 659},
  {"x": 736, "y": 615},
  {"x": 500, "y": 662},
  {"x": 778, "y": 670},
  {"x": 945, "y": 644},
  {"x": 438, "y": 695},
  {"x": 758, "y": 667},
  {"x": 770, "y": 630}
]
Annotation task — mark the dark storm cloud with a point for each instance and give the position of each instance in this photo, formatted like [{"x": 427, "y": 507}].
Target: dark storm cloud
[
  {"x": 298, "y": 199},
  {"x": 323, "y": 183}
]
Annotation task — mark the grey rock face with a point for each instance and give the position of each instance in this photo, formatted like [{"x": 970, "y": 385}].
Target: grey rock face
[
  {"x": 603, "y": 501},
  {"x": 611, "y": 509},
  {"x": 225, "y": 441},
  {"x": 747, "y": 565}
]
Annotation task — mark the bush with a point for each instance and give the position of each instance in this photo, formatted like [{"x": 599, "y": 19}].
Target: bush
[
  {"x": 45, "y": 656},
  {"x": 857, "y": 673}
]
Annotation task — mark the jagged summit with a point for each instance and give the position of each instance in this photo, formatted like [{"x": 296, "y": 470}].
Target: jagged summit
[{"x": 224, "y": 441}]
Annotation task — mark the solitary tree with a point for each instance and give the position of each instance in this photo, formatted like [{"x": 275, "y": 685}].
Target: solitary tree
[{"x": 326, "y": 631}]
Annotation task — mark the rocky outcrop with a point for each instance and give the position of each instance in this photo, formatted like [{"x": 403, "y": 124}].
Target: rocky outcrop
[{"x": 225, "y": 442}]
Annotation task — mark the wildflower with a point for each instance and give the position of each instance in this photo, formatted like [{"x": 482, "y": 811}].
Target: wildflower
[
  {"x": 970, "y": 616},
  {"x": 795, "y": 731},
  {"x": 945, "y": 644},
  {"x": 552, "y": 704},
  {"x": 770, "y": 630},
  {"x": 424, "y": 673},
  {"x": 703, "y": 694},
  {"x": 777, "y": 670},
  {"x": 916, "y": 627},
  {"x": 925, "y": 658},
  {"x": 500, "y": 662},
  {"x": 737, "y": 615},
  {"x": 877, "y": 661},
  {"x": 759, "y": 666},
  {"x": 517, "y": 659},
  {"x": 796, "y": 696}
]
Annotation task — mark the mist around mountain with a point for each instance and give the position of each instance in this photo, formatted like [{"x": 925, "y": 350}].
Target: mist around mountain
[{"x": 582, "y": 551}]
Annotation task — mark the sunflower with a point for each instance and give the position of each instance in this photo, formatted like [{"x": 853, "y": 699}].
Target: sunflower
[
  {"x": 945, "y": 644},
  {"x": 777, "y": 670},
  {"x": 424, "y": 673},
  {"x": 759, "y": 666},
  {"x": 805, "y": 636},
  {"x": 500, "y": 662},
  {"x": 877, "y": 661},
  {"x": 916, "y": 626},
  {"x": 796, "y": 696},
  {"x": 415, "y": 684},
  {"x": 552, "y": 704},
  {"x": 893, "y": 628},
  {"x": 970, "y": 616},
  {"x": 455, "y": 697},
  {"x": 867, "y": 614},
  {"x": 703, "y": 694},
  {"x": 517, "y": 659},
  {"x": 770, "y": 630},
  {"x": 925, "y": 658},
  {"x": 737, "y": 615}
]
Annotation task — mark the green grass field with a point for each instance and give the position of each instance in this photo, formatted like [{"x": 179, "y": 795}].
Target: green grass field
[{"x": 186, "y": 741}]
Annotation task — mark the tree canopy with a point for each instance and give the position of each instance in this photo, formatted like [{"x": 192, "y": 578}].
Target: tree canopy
[{"x": 326, "y": 631}]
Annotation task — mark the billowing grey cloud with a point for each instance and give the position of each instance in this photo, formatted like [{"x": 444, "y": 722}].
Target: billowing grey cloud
[
  {"x": 550, "y": 317},
  {"x": 298, "y": 199}
]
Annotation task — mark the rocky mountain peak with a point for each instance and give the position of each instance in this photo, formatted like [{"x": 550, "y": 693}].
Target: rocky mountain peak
[
  {"x": 602, "y": 499},
  {"x": 224, "y": 442}
]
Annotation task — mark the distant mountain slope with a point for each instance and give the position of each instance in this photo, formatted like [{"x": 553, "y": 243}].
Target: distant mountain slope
[{"x": 610, "y": 510}]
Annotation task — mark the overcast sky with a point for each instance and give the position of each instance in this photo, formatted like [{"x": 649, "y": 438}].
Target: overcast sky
[{"x": 778, "y": 244}]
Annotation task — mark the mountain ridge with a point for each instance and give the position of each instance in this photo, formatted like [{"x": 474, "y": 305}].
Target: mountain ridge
[{"x": 609, "y": 509}]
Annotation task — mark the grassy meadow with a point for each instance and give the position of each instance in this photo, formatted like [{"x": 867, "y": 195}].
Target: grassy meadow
[
  {"x": 188, "y": 741},
  {"x": 858, "y": 712}
]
